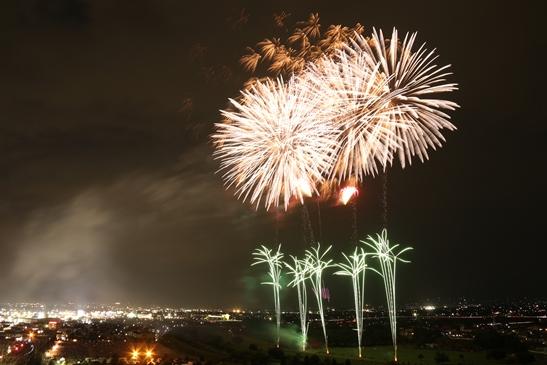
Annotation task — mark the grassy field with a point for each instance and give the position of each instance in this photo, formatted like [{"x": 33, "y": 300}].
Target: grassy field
[
  {"x": 383, "y": 354},
  {"x": 222, "y": 342}
]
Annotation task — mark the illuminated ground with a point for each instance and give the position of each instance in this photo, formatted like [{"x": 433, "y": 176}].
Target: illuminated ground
[
  {"x": 232, "y": 346},
  {"x": 382, "y": 355}
]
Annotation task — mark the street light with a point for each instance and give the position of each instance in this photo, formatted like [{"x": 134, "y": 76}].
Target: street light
[{"x": 135, "y": 354}]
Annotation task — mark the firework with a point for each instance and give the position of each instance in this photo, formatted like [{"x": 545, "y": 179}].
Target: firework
[
  {"x": 347, "y": 193},
  {"x": 316, "y": 265},
  {"x": 298, "y": 271},
  {"x": 413, "y": 79},
  {"x": 351, "y": 84},
  {"x": 355, "y": 267},
  {"x": 388, "y": 256},
  {"x": 289, "y": 52},
  {"x": 276, "y": 144},
  {"x": 264, "y": 255},
  {"x": 382, "y": 92}
]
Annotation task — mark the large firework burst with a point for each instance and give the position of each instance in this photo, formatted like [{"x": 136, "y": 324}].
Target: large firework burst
[
  {"x": 276, "y": 144},
  {"x": 413, "y": 81},
  {"x": 352, "y": 84},
  {"x": 383, "y": 93}
]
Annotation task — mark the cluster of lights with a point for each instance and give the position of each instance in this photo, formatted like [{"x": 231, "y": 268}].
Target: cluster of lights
[
  {"x": 18, "y": 346},
  {"x": 26, "y": 314},
  {"x": 54, "y": 350}
]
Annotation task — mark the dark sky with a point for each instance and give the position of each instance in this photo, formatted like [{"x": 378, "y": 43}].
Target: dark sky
[{"x": 107, "y": 185}]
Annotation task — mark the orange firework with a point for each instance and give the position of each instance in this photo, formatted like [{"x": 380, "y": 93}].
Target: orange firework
[{"x": 347, "y": 193}]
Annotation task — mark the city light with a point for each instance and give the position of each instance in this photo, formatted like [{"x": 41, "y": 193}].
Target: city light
[
  {"x": 135, "y": 354},
  {"x": 54, "y": 350}
]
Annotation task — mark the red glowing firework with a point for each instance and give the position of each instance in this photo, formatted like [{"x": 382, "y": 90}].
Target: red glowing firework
[{"x": 347, "y": 193}]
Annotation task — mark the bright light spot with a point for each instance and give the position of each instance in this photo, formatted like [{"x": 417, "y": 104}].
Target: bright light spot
[
  {"x": 135, "y": 354},
  {"x": 347, "y": 193},
  {"x": 304, "y": 187},
  {"x": 429, "y": 307},
  {"x": 149, "y": 353}
]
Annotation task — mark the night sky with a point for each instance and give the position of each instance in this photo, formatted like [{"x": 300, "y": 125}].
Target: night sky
[{"x": 108, "y": 190}]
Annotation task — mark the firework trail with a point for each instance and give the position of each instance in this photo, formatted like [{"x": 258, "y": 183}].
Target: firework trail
[
  {"x": 264, "y": 255},
  {"x": 355, "y": 266},
  {"x": 319, "y": 224},
  {"x": 315, "y": 266},
  {"x": 388, "y": 257},
  {"x": 307, "y": 229},
  {"x": 384, "y": 199},
  {"x": 298, "y": 271}
]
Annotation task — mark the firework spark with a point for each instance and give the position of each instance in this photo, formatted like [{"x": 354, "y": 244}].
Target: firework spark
[
  {"x": 264, "y": 255},
  {"x": 316, "y": 265},
  {"x": 347, "y": 193},
  {"x": 413, "y": 80},
  {"x": 355, "y": 267},
  {"x": 277, "y": 144},
  {"x": 298, "y": 271},
  {"x": 383, "y": 93},
  {"x": 351, "y": 84},
  {"x": 388, "y": 257},
  {"x": 289, "y": 52}
]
